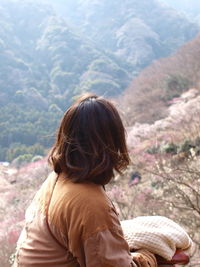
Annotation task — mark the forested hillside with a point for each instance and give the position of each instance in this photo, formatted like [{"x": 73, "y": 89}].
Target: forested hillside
[
  {"x": 51, "y": 53},
  {"x": 43, "y": 65},
  {"x": 164, "y": 176},
  {"x": 137, "y": 31}
]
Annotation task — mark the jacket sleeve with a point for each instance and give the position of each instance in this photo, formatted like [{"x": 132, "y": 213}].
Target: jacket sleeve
[
  {"x": 103, "y": 244},
  {"x": 107, "y": 248}
]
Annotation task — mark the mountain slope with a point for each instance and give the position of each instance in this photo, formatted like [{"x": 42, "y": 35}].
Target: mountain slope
[
  {"x": 160, "y": 84},
  {"x": 137, "y": 31},
  {"x": 46, "y": 60},
  {"x": 44, "y": 63}
]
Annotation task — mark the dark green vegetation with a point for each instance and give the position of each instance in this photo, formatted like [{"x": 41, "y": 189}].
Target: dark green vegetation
[
  {"x": 43, "y": 65},
  {"x": 49, "y": 56}
]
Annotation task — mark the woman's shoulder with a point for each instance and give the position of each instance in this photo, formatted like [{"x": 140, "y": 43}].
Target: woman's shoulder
[
  {"x": 83, "y": 207},
  {"x": 86, "y": 193},
  {"x": 79, "y": 194}
]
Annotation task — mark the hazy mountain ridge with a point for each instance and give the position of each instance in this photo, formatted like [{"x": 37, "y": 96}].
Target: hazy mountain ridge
[
  {"x": 43, "y": 65},
  {"x": 139, "y": 31},
  {"x": 45, "y": 62}
]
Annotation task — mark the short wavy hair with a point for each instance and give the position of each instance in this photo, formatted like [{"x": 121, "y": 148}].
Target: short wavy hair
[{"x": 90, "y": 142}]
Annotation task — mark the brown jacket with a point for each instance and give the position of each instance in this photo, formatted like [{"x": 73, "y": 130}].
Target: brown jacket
[{"x": 82, "y": 228}]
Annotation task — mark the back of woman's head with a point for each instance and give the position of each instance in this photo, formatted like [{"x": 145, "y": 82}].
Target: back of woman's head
[{"x": 90, "y": 142}]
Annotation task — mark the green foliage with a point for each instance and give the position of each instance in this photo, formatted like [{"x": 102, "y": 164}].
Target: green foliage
[
  {"x": 29, "y": 131},
  {"x": 3, "y": 151},
  {"x": 153, "y": 150},
  {"x": 36, "y": 158},
  {"x": 169, "y": 148},
  {"x": 175, "y": 85},
  {"x": 197, "y": 141},
  {"x": 186, "y": 146},
  {"x": 16, "y": 150},
  {"x": 22, "y": 159}
]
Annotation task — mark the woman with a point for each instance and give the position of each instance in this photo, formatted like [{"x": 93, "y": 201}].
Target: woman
[{"x": 71, "y": 222}]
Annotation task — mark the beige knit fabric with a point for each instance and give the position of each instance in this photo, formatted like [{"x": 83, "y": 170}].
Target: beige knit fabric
[{"x": 157, "y": 234}]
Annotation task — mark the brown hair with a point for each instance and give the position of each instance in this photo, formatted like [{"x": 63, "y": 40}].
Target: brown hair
[{"x": 90, "y": 142}]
